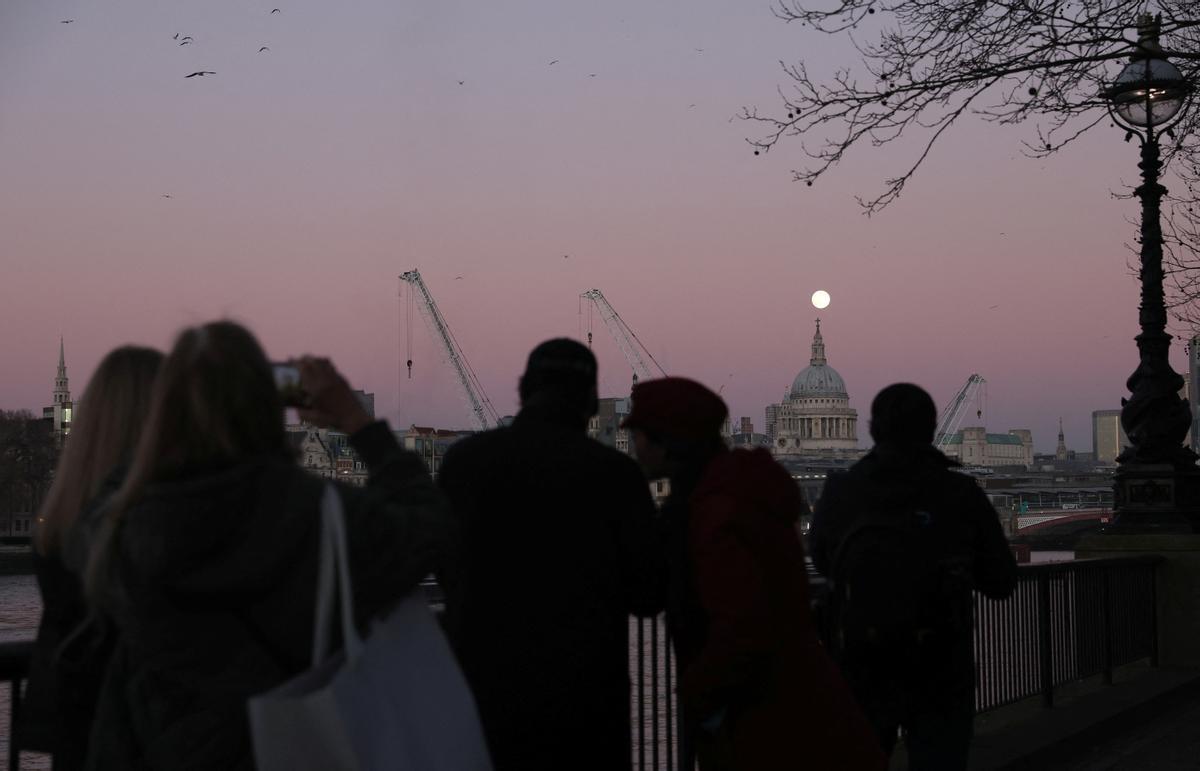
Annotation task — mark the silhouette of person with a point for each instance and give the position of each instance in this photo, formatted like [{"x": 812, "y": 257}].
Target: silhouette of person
[
  {"x": 758, "y": 691},
  {"x": 206, "y": 560},
  {"x": 558, "y": 548},
  {"x": 922, "y": 676},
  {"x": 73, "y": 647}
]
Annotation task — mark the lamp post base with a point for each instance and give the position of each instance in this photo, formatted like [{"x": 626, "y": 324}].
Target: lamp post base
[{"x": 1156, "y": 498}]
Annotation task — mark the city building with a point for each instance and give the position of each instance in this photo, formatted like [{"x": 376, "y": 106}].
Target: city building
[
  {"x": 815, "y": 417},
  {"x": 745, "y": 437},
  {"x": 61, "y": 410},
  {"x": 1108, "y": 436},
  {"x": 605, "y": 425},
  {"x": 974, "y": 446},
  {"x": 430, "y": 443}
]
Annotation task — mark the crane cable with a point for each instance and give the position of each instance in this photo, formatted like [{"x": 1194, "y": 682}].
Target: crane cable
[{"x": 409, "y": 326}]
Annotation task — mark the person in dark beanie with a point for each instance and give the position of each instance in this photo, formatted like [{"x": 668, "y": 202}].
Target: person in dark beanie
[
  {"x": 757, "y": 690},
  {"x": 559, "y": 548},
  {"x": 904, "y": 540}
]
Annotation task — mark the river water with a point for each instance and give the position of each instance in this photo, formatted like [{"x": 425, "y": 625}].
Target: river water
[{"x": 20, "y": 610}]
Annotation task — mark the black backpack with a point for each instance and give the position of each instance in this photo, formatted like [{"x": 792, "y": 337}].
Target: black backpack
[{"x": 901, "y": 588}]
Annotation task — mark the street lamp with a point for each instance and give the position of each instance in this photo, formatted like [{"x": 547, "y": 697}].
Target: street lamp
[{"x": 1157, "y": 485}]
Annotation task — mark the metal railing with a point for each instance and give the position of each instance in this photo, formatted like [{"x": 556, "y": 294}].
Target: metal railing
[
  {"x": 1065, "y": 622},
  {"x": 657, "y": 740}
]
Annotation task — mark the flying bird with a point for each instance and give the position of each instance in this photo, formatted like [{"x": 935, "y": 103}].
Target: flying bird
[
  {"x": 461, "y": 82},
  {"x": 176, "y": 36},
  {"x": 458, "y": 278},
  {"x": 186, "y": 42},
  {"x": 274, "y": 10},
  {"x": 165, "y": 195},
  {"x": 264, "y": 48},
  {"x": 690, "y": 106},
  {"x": 201, "y": 73},
  {"x": 554, "y": 62},
  {"x": 592, "y": 75},
  {"x": 66, "y": 21}
]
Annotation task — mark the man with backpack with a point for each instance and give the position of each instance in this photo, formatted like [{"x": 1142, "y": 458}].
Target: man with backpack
[{"x": 905, "y": 540}]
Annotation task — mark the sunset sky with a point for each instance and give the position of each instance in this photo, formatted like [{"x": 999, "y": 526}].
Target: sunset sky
[{"x": 304, "y": 179}]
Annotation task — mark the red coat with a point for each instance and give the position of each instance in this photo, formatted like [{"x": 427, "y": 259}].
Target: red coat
[{"x": 758, "y": 656}]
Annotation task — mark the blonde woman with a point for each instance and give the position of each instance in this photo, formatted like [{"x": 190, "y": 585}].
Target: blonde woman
[
  {"x": 65, "y": 679},
  {"x": 208, "y": 559}
]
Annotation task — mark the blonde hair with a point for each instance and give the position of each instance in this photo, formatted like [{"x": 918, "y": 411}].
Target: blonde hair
[
  {"x": 215, "y": 402},
  {"x": 106, "y": 429}
]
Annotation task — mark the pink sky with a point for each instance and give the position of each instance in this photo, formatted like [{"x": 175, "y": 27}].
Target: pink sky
[{"x": 305, "y": 179}]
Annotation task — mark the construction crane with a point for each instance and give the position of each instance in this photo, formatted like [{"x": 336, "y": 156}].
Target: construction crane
[
  {"x": 481, "y": 408},
  {"x": 952, "y": 414},
  {"x": 635, "y": 353}
]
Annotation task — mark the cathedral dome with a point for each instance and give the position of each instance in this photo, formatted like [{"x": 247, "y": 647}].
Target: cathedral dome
[{"x": 818, "y": 378}]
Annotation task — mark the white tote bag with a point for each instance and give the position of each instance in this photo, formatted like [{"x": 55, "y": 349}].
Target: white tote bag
[{"x": 396, "y": 700}]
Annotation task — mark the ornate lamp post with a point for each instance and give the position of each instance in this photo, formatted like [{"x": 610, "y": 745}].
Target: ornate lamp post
[{"x": 1157, "y": 486}]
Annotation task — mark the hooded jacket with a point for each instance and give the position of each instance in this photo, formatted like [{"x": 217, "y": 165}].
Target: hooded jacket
[
  {"x": 214, "y": 590},
  {"x": 748, "y": 650}
]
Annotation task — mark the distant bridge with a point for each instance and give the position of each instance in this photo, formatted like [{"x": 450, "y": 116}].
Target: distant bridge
[{"x": 1035, "y": 521}]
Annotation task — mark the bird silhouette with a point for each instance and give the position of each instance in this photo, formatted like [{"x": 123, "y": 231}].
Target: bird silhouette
[
  {"x": 67, "y": 21},
  {"x": 176, "y": 36},
  {"x": 554, "y": 61},
  {"x": 166, "y": 195},
  {"x": 201, "y": 73},
  {"x": 458, "y": 278},
  {"x": 185, "y": 43},
  {"x": 264, "y": 48},
  {"x": 461, "y": 82},
  {"x": 566, "y": 256},
  {"x": 592, "y": 75},
  {"x": 274, "y": 10},
  {"x": 188, "y": 37}
]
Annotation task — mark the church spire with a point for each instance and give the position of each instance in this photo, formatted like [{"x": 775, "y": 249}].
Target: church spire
[
  {"x": 62, "y": 391},
  {"x": 1061, "y": 452},
  {"x": 818, "y": 348}
]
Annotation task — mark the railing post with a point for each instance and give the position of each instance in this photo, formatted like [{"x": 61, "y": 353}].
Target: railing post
[
  {"x": 1044, "y": 640},
  {"x": 654, "y": 693},
  {"x": 641, "y": 689},
  {"x": 1106, "y": 597}
]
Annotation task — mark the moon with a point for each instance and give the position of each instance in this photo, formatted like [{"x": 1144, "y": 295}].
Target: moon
[{"x": 820, "y": 299}]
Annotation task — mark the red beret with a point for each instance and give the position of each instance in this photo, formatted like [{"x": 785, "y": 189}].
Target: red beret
[{"x": 676, "y": 407}]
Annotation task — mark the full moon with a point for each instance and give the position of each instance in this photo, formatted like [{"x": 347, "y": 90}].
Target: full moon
[{"x": 820, "y": 299}]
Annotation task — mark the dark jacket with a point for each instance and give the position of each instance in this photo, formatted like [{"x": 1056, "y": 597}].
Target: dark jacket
[
  {"x": 748, "y": 650},
  {"x": 558, "y": 549},
  {"x": 919, "y": 476},
  {"x": 214, "y": 591},
  {"x": 72, "y": 650}
]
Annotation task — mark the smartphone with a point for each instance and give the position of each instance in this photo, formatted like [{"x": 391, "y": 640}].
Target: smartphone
[{"x": 287, "y": 381}]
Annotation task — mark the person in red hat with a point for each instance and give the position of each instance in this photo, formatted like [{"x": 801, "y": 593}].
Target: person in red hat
[{"x": 757, "y": 690}]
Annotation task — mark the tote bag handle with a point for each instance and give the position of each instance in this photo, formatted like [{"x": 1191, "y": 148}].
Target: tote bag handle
[{"x": 333, "y": 575}]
